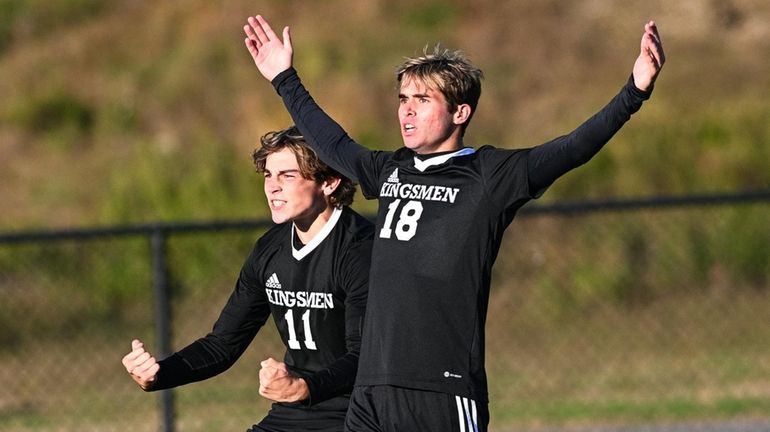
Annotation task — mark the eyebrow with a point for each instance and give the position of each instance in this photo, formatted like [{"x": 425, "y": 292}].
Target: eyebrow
[
  {"x": 416, "y": 95},
  {"x": 293, "y": 170}
]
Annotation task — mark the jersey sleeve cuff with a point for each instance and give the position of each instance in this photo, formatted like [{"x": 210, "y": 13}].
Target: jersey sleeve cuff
[
  {"x": 313, "y": 392},
  {"x": 641, "y": 94},
  {"x": 282, "y": 77},
  {"x": 171, "y": 373}
]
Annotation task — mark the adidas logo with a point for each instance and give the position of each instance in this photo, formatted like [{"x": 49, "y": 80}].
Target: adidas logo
[
  {"x": 393, "y": 178},
  {"x": 272, "y": 282}
]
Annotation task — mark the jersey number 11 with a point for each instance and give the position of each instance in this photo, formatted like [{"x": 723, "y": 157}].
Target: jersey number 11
[{"x": 293, "y": 342}]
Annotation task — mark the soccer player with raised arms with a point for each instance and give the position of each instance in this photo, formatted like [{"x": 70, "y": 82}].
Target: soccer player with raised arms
[
  {"x": 443, "y": 208},
  {"x": 311, "y": 272}
]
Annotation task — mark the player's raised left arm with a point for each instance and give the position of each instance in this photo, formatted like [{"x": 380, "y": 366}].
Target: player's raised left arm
[
  {"x": 651, "y": 58},
  {"x": 551, "y": 160}
]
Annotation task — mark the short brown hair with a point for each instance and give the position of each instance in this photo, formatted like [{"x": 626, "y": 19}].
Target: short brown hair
[
  {"x": 310, "y": 165},
  {"x": 447, "y": 71}
]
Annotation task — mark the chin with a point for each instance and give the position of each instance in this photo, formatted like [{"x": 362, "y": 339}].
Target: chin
[
  {"x": 279, "y": 218},
  {"x": 411, "y": 145}
]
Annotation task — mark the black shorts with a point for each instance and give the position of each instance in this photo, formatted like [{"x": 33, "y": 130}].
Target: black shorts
[
  {"x": 328, "y": 416},
  {"x": 390, "y": 409}
]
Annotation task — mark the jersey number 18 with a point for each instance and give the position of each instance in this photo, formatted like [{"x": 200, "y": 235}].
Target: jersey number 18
[{"x": 406, "y": 226}]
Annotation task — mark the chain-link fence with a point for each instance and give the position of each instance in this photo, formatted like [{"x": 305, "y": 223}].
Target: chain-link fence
[{"x": 601, "y": 314}]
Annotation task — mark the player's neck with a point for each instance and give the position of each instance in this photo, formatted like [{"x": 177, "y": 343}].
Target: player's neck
[
  {"x": 452, "y": 142},
  {"x": 446, "y": 147},
  {"x": 427, "y": 156},
  {"x": 307, "y": 229}
]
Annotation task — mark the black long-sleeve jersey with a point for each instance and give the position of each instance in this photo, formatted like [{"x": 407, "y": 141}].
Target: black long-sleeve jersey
[
  {"x": 439, "y": 227},
  {"x": 317, "y": 295}
]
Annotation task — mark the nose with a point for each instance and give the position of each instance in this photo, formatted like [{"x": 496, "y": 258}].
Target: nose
[
  {"x": 407, "y": 109},
  {"x": 272, "y": 185}
]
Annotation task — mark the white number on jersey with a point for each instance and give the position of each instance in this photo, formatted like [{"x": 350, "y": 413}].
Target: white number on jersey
[
  {"x": 406, "y": 226},
  {"x": 293, "y": 342}
]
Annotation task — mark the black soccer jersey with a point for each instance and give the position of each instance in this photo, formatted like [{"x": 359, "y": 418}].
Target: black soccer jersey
[
  {"x": 439, "y": 228},
  {"x": 317, "y": 296}
]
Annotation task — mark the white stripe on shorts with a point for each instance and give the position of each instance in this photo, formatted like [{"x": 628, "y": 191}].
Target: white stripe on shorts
[{"x": 467, "y": 416}]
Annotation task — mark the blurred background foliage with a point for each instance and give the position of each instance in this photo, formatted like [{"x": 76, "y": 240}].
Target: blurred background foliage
[{"x": 135, "y": 111}]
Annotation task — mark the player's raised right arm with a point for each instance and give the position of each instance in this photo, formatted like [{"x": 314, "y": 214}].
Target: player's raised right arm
[
  {"x": 141, "y": 365},
  {"x": 273, "y": 58}
]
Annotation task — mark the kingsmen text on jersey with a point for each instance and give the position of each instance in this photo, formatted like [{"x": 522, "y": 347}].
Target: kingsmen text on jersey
[
  {"x": 439, "y": 228},
  {"x": 317, "y": 296}
]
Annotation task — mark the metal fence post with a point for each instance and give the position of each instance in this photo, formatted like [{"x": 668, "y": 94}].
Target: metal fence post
[{"x": 162, "y": 319}]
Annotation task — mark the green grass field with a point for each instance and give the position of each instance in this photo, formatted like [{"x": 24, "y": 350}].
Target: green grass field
[{"x": 565, "y": 345}]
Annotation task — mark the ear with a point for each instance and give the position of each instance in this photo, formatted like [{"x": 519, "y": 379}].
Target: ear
[
  {"x": 330, "y": 185},
  {"x": 462, "y": 114}
]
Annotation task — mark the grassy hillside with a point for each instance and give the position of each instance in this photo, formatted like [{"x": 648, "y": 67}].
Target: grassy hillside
[{"x": 130, "y": 111}]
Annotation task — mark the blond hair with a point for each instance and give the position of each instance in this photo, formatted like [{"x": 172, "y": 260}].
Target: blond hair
[{"x": 447, "y": 71}]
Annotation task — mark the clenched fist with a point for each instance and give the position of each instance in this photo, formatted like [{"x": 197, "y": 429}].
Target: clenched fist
[
  {"x": 276, "y": 383},
  {"x": 141, "y": 365}
]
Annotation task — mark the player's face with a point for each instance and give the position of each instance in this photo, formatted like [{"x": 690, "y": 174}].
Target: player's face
[
  {"x": 427, "y": 125},
  {"x": 290, "y": 196}
]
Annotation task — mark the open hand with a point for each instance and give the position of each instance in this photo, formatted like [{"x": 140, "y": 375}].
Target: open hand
[
  {"x": 271, "y": 55},
  {"x": 651, "y": 58}
]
